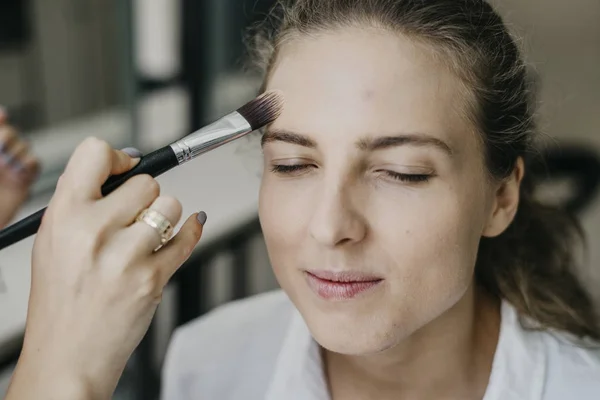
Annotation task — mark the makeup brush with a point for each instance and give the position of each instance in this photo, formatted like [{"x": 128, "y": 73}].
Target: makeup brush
[{"x": 250, "y": 117}]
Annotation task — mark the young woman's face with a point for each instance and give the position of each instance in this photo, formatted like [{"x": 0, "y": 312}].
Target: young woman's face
[{"x": 373, "y": 176}]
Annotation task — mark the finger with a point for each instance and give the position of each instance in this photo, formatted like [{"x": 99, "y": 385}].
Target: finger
[
  {"x": 126, "y": 202},
  {"x": 12, "y": 156},
  {"x": 170, "y": 257},
  {"x": 19, "y": 148},
  {"x": 17, "y": 156},
  {"x": 27, "y": 167},
  {"x": 8, "y": 137},
  {"x": 90, "y": 166},
  {"x": 147, "y": 238}
]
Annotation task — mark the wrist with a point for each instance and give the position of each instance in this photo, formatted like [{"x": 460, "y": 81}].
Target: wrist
[
  {"x": 39, "y": 375},
  {"x": 35, "y": 380},
  {"x": 67, "y": 370}
]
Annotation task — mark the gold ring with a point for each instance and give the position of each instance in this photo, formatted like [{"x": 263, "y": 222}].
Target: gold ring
[{"x": 159, "y": 222}]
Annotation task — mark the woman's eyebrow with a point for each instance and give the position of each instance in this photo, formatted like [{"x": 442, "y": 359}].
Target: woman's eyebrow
[
  {"x": 282, "y": 135},
  {"x": 414, "y": 139},
  {"x": 366, "y": 144}
]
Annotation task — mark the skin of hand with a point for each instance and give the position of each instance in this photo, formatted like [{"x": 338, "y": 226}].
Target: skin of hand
[
  {"x": 96, "y": 279},
  {"x": 18, "y": 170}
]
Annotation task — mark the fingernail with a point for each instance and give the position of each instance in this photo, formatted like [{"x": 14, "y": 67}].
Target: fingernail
[
  {"x": 132, "y": 152},
  {"x": 202, "y": 218}
]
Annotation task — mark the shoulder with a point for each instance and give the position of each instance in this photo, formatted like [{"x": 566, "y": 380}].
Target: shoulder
[
  {"x": 231, "y": 327},
  {"x": 542, "y": 364},
  {"x": 573, "y": 368},
  {"x": 226, "y": 345}
]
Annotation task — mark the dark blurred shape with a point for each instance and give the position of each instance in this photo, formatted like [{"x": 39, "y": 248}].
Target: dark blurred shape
[
  {"x": 578, "y": 165},
  {"x": 14, "y": 27},
  {"x": 240, "y": 18},
  {"x": 27, "y": 116}
]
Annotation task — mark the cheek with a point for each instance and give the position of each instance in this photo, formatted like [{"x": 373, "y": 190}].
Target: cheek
[
  {"x": 283, "y": 212},
  {"x": 430, "y": 238}
]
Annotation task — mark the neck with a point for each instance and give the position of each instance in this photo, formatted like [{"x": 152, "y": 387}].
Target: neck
[{"x": 451, "y": 355}]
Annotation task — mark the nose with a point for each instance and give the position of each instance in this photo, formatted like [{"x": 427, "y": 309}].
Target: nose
[{"x": 337, "y": 219}]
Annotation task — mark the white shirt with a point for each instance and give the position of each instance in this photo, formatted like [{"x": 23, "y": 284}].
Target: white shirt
[{"x": 260, "y": 348}]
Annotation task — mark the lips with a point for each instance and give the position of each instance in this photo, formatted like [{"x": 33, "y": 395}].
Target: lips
[{"x": 341, "y": 285}]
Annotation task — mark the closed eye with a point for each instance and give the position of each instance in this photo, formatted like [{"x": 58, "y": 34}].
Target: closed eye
[
  {"x": 411, "y": 178},
  {"x": 292, "y": 169},
  {"x": 296, "y": 169}
]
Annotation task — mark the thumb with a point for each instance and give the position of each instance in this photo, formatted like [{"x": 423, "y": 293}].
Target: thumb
[{"x": 179, "y": 249}]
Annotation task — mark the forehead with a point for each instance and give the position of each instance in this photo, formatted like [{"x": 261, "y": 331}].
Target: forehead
[{"x": 366, "y": 81}]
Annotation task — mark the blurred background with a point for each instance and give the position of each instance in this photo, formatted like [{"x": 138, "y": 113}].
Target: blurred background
[{"x": 145, "y": 72}]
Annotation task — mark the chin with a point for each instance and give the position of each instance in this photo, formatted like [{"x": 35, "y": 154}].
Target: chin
[{"x": 353, "y": 335}]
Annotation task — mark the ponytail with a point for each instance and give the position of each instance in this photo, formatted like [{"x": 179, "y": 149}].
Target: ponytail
[{"x": 533, "y": 266}]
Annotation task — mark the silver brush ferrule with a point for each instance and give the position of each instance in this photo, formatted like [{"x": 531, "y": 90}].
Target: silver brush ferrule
[{"x": 224, "y": 130}]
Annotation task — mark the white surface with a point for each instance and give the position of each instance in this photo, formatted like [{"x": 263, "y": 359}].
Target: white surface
[{"x": 217, "y": 183}]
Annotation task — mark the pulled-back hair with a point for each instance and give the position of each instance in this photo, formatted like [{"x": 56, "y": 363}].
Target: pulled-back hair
[{"x": 531, "y": 264}]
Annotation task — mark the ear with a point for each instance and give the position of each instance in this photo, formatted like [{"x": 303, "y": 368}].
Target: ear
[{"x": 506, "y": 201}]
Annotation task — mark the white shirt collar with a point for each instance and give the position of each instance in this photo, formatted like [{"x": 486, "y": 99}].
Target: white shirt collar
[
  {"x": 519, "y": 366},
  {"x": 518, "y": 370},
  {"x": 299, "y": 372}
]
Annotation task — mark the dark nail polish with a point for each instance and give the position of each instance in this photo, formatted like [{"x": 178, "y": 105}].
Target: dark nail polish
[
  {"x": 132, "y": 152},
  {"x": 202, "y": 217}
]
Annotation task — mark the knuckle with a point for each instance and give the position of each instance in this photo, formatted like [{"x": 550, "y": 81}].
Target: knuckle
[
  {"x": 65, "y": 189},
  {"x": 90, "y": 142},
  {"x": 106, "y": 225},
  {"x": 150, "y": 184},
  {"x": 77, "y": 239},
  {"x": 171, "y": 203},
  {"x": 96, "y": 146},
  {"x": 153, "y": 187},
  {"x": 149, "y": 283},
  {"x": 116, "y": 262},
  {"x": 61, "y": 181},
  {"x": 86, "y": 239},
  {"x": 104, "y": 149}
]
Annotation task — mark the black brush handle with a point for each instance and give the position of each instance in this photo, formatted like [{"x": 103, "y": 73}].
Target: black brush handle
[{"x": 153, "y": 164}]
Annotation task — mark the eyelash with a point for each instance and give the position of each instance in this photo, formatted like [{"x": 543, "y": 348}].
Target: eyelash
[
  {"x": 288, "y": 169},
  {"x": 294, "y": 169}
]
